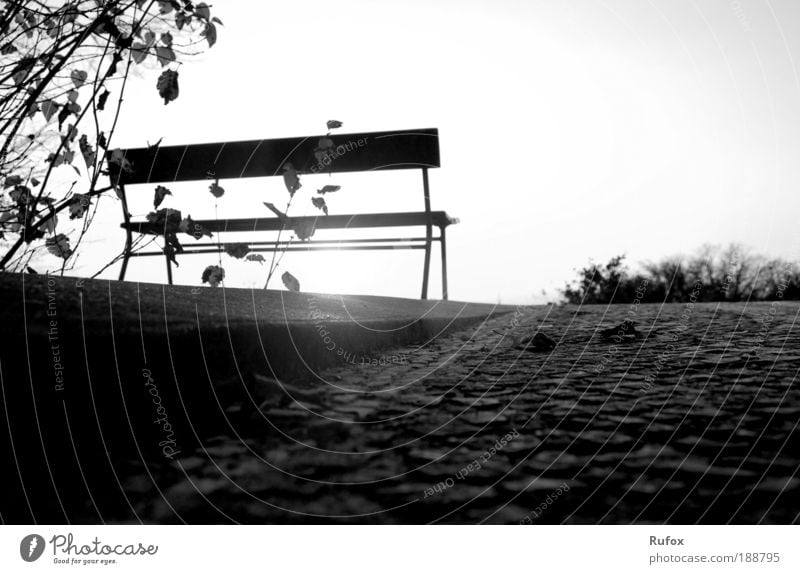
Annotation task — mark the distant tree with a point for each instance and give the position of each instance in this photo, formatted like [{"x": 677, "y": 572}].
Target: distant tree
[
  {"x": 64, "y": 70},
  {"x": 729, "y": 274},
  {"x": 601, "y": 283}
]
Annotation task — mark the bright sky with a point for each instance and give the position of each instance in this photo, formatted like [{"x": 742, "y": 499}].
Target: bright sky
[{"x": 568, "y": 131}]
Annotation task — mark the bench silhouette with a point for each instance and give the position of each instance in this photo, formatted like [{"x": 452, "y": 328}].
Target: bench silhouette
[{"x": 358, "y": 152}]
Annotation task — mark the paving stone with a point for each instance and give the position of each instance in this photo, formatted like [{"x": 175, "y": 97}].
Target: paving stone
[{"x": 638, "y": 432}]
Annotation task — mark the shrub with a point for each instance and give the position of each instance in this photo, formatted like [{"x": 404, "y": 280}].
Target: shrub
[{"x": 729, "y": 274}]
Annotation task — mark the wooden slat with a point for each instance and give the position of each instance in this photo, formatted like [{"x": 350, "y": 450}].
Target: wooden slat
[
  {"x": 368, "y": 151},
  {"x": 334, "y": 242},
  {"x": 298, "y": 246},
  {"x": 359, "y": 220}
]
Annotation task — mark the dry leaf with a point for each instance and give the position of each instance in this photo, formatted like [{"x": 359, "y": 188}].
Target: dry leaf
[
  {"x": 281, "y": 215},
  {"x": 236, "y": 250},
  {"x": 59, "y": 246},
  {"x": 167, "y": 86},
  {"x": 319, "y": 203},
  {"x": 290, "y": 281},
  {"x": 216, "y": 189},
  {"x": 304, "y": 230},
  {"x": 213, "y": 275},
  {"x": 78, "y": 205},
  {"x": 161, "y": 193},
  {"x": 290, "y": 178}
]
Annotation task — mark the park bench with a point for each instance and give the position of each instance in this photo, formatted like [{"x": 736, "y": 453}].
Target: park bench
[{"x": 358, "y": 152}]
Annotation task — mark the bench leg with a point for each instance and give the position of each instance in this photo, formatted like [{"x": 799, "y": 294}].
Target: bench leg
[
  {"x": 428, "y": 234},
  {"x": 443, "y": 241},
  {"x": 427, "y": 269},
  {"x": 128, "y": 234}
]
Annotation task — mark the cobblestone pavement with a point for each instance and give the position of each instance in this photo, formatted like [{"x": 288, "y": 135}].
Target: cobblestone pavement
[{"x": 694, "y": 420}]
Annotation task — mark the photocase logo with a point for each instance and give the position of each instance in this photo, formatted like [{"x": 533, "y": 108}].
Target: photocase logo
[{"x": 31, "y": 547}]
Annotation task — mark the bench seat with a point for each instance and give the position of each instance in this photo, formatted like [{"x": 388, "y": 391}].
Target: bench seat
[{"x": 438, "y": 219}]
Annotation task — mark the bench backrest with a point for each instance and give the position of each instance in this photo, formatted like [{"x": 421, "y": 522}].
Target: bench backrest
[{"x": 402, "y": 149}]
